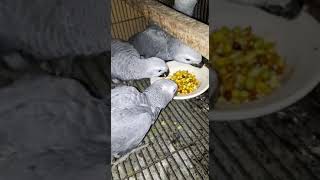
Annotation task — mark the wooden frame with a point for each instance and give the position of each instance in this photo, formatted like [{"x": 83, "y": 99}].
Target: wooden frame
[{"x": 188, "y": 30}]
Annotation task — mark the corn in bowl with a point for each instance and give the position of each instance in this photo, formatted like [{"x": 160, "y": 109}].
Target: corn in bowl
[
  {"x": 248, "y": 66},
  {"x": 187, "y": 82}
]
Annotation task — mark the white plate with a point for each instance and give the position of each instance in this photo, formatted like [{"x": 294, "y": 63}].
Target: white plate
[
  {"x": 202, "y": 74},
  {"x": 297, "y": 41}
]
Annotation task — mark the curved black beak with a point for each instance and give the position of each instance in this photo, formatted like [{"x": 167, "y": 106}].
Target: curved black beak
[
  {"x": 198, "y": 65},
  {"x": 203, "y": 62},
  {"x": 165, "y": 74}
]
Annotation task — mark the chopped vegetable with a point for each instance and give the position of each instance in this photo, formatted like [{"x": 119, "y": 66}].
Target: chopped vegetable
[
  {"x": 187, "y": 82},
  {"x": 248, "y": 66}
]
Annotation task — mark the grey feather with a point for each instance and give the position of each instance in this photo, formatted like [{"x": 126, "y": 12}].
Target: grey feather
[
  {"x": 51, "y": 128},
  {"x": 127, "y": 64},
  {"x": 144, "y": 42},
  {"x": 54, "y": 28},
  {"x": 185, "y": 6},
  {"x": 155, "y": 42},
  {"x": 133, "y": 113},
  {"x": 16, "y": 62}
]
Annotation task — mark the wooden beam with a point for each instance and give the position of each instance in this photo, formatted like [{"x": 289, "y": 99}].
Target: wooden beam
[{"x": 188, "y": 30}]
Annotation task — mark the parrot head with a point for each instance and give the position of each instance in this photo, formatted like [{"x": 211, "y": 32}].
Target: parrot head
[
  {"x": 185, "y": 54},
  {"x": 161, "y": 92},
  {"x": 155, "y": 67}
]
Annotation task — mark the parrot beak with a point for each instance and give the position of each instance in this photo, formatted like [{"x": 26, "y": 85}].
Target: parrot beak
[
  {"x": 198, "y": 65},
  {"x": 165, "y": 74},
  {"x": 203, "y": 62}
]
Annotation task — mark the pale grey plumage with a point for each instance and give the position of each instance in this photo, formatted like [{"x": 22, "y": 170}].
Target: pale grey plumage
[
  {"x": 155, "y": 42},
  {"x": 53, "y": 128},
  {"x": 54, "y": 28},
  {"x": 133, "y": 113},
  {"x": 126, "y": 63},
  {"x": 185, "y": 6}
]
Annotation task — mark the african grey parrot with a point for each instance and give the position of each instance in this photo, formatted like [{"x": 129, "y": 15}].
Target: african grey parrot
[
  {"x": 53, "y": 29},
  {"x": 133, "y": 113},
  {"x": 285, "y": 8},
  {"x": 127, "y": 64},
  {"x": 52, "y": 128},
  {"x": 155, "y": 42},
  {"x": 185, "y": 6}
]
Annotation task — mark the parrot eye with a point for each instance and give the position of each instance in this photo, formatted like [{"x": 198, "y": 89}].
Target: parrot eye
[
  {"x": 159, "y": 70},
  {"x": 188, "y": 59}
]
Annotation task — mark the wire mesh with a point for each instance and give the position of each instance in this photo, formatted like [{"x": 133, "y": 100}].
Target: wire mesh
[
  {"x": 126, "y": 21},
  {"x": 201, "y": 10}
]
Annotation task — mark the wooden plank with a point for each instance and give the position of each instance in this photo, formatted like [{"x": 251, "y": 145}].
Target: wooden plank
[{"x": 188, "y": 30}]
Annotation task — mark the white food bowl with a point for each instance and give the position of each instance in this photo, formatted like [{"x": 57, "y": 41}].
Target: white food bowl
[
  {"x": 298, "y": 41},
  {"x": 202, "y": 75}
]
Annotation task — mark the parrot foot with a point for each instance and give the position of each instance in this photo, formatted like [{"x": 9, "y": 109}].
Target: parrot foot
[{"x": 124, "y": 157}]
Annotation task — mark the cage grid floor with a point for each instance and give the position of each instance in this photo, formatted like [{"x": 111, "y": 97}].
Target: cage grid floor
[
  {"x": 281, "y": 146},
  {"x": 178, "y": 145}
]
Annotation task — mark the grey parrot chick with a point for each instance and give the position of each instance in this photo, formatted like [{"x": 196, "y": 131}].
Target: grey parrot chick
[
  {"x": 133, "y": 113},
  {"x": 155, "y": 42},
  {"x": 185, "y": 6},
  {"x": 52, "y": 128},
  {"x": 285, "y": 8},
  {"x": 126, "y": 63}
]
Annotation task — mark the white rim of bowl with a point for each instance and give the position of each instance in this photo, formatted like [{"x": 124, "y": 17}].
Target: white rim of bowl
[
  {"x": 270, "y": 108},
  {"x": 193, "y": 95}
]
